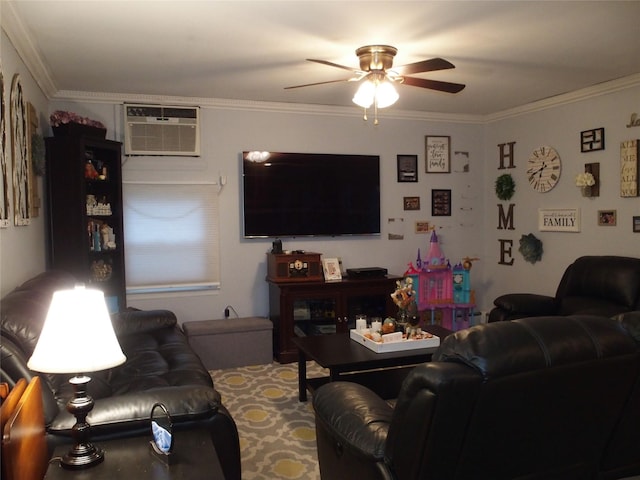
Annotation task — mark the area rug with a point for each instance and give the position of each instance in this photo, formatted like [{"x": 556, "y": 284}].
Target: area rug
[{"x": 277, "y": 432}]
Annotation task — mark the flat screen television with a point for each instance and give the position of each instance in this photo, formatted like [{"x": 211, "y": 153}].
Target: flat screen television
[{"x": 310, "y": 194}]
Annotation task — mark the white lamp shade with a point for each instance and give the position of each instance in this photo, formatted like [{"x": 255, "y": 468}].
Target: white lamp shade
[
  {"x": 77, "y": 336},
  {"x": 365, "y": 95},
  {"x": 386, "y": 95},
  {"x": 376, "y": 90}
]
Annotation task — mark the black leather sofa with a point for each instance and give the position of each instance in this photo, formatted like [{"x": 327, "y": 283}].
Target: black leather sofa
[
  {"x": 592, "y": 285},
  {"x": 160, "y": 367},
  {"x": 547, "y": 398}
]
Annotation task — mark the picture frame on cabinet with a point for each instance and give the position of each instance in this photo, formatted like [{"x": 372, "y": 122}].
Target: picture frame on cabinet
[
  {"x": 407, "y": 168},
  {"x": 331, "y": 269},
  {"x": 592, "y": 140},
  {"x": 607, "y": 218},
  {"x": 636, "y": 224},
  {"x": 438, "y": 154},
  {"x": 440, "y": 203},
  {"x": 411, "y": 203}
]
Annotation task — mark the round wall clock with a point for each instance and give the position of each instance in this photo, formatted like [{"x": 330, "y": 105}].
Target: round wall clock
[{"x": 543, "y": 169}]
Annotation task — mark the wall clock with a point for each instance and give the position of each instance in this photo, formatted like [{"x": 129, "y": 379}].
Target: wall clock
[{"x": 543, "y": 169}]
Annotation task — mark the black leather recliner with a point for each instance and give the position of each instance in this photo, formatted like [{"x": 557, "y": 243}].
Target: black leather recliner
[
  {"x": 592, "y": 285},
  {"x": 538, "y": 398},
  {"x": 160, "y": 367}
]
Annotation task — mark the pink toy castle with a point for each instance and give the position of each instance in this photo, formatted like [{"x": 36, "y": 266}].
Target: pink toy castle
[{"x": 441, "y": 289}]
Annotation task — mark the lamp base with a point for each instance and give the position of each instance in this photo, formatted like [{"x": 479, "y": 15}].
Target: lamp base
[{"x": 82, "y": 455}]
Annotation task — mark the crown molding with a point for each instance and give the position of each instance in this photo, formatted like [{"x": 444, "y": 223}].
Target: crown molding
[
  {"x": 255, "y": 105},
  {"x": 593, "y": 91},
  {"x": 23, "y": 42}
]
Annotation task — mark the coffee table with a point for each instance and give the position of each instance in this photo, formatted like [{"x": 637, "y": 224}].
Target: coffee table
[{"x": 348, "y": 360}]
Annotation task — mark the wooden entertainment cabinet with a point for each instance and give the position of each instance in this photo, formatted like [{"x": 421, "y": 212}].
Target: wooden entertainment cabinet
[{"x": 317, "y": 307}]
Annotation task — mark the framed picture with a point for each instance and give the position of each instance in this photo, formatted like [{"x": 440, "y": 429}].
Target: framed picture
[
  {"x": 636, "y": 224},
  {"x": 411, "y": 203},
  {"x": 441, "y": 203},
  {"x": 407, "y": 168},
  {"x": 629, "y": 166},
  {"x": 559, "y": 219},
  {"x": 592, "y": 140},
  {"x": 331, "y": 269},
  {"x": 438, "y": 154},
  {"x": 424, "y": 227},
  {"x": 607, "y": 218}
]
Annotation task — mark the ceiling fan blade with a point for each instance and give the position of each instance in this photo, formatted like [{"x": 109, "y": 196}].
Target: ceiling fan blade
[
  {"x": 425, "y": 66},
  {"x": 433, "y": 84},
  {"x": 317, "y": 83},
  {"x": 331, "y": 64}
]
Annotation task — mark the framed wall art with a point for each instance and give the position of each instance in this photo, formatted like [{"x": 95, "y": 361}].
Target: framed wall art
[
  {"x": 607, "y": 218},
  {"x": 438, "y": 154},
  {"x": 20, "y": 143},
  {"x": 441, "y": 203},
  {"x": 411, "y": 203},
  {"x": 636, "y": 224},
  {"x": 559, "y": 219},
  {"x": 592, "y": 140},
  {"x": 4, "y": 182},
  {"x": 629, "y": 153},
  {"x": 407, "y": 168}
]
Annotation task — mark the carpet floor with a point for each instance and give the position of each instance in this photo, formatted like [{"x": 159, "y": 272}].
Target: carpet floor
[{"x": 277, "y": 432}]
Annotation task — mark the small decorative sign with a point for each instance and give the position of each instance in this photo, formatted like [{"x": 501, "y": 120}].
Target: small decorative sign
[
  {"x": 438, "y": 154},
  {"x": 592, "y": 140},
  {"x": 559, "y": 219}
]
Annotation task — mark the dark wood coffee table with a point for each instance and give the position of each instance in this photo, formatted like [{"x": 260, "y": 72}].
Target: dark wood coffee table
[{"x": 348, "y": 360}]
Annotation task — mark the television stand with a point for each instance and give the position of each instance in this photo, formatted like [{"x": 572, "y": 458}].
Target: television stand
[{"x": 318, "y": 307}]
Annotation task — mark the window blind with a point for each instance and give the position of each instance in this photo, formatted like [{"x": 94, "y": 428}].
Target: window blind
[{"x": 171, "y": 236}]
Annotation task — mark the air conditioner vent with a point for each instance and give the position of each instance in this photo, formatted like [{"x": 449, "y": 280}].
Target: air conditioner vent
[{"x": 162, "y": 130}]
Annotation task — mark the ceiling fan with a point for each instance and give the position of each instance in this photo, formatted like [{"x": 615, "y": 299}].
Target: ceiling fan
[{"x": 376, "y": 62}]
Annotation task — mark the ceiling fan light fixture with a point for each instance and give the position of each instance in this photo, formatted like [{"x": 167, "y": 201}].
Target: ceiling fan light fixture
[
  {"x": 380, "y": 92},
  {"x": 365, "y": 95},
  {"x": 386, "y": 94}
]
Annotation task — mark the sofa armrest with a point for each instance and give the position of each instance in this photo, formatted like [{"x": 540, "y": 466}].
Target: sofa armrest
[
  {"x": 529, "y": 304},
  {"x": 132, "y": 410},
  {"x": 354, "y": 415},
  {"x": 133, "y": 321}
]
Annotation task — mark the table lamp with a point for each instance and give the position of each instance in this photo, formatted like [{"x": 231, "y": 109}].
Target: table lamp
[{"x": 78, "y": 337}]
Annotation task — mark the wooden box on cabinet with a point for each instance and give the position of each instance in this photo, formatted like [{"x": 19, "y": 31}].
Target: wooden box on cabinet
[
  {"x": 84, "y": 193},
  {"x": 294, "y": 267}
]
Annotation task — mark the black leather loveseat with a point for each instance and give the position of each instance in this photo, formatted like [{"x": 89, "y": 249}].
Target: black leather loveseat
[
  {"x": 160, "y": 367},
  {"x": 604, "y": 285},
  {"x": 547, "y": 398}
]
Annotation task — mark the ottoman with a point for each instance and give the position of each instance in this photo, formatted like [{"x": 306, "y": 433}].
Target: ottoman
[{"x": 231, "y": 343}]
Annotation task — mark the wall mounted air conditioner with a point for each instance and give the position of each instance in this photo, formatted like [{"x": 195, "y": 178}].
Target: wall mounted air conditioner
[{"x": 161, "y": 130}]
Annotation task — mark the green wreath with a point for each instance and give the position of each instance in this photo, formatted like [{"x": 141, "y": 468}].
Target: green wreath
[{"x": 505, "y": 186}]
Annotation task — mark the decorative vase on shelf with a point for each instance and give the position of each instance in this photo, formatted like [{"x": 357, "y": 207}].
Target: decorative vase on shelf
[{"x": 586, "y": 191}]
